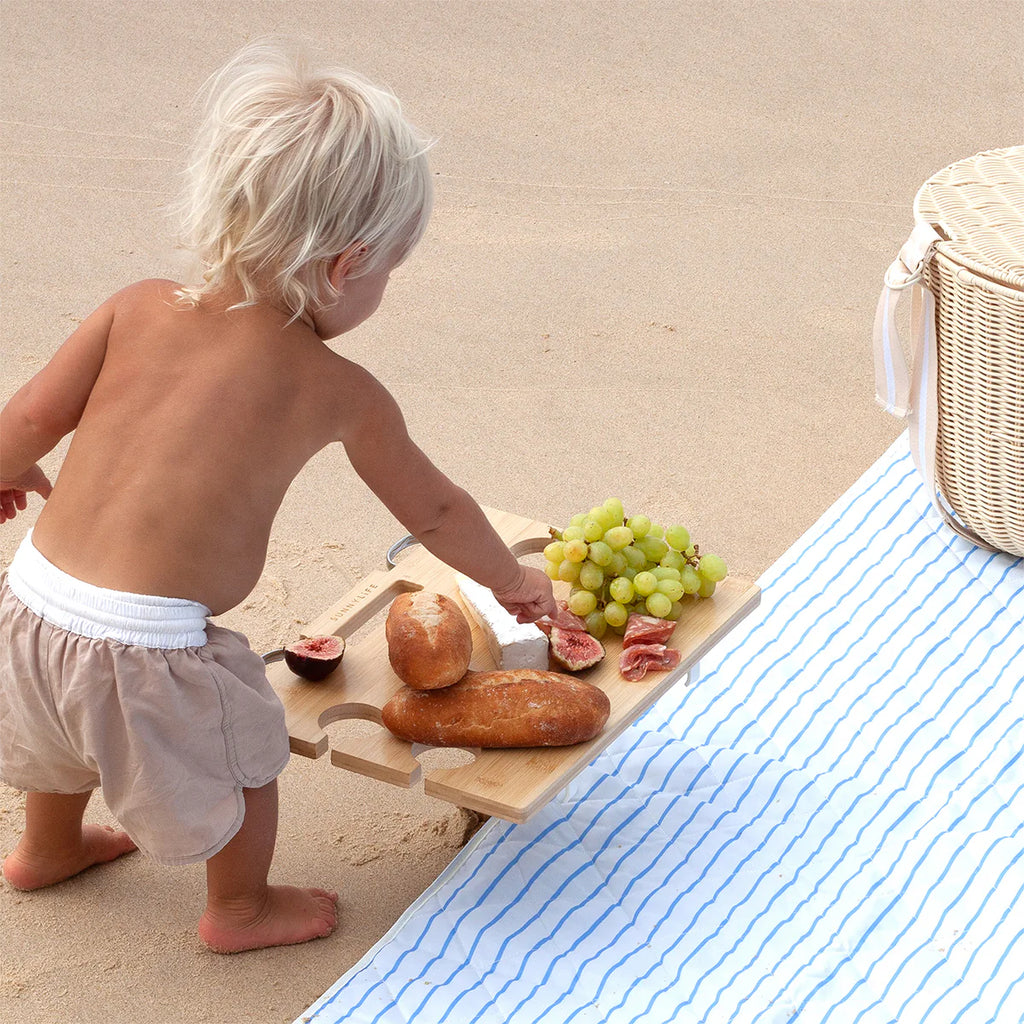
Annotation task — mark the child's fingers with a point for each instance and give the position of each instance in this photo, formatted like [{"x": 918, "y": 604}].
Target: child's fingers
[{"x": 7, "y": 506}]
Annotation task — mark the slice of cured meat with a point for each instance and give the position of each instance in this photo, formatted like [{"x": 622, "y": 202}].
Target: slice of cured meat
[
  {"x": 646, "y": 629},
  {"x": 639, "y": 659},
  {"x": 563, "y": 619}
]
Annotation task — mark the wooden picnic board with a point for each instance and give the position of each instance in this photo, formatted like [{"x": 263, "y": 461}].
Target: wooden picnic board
[{"x": 509, "y": 784}]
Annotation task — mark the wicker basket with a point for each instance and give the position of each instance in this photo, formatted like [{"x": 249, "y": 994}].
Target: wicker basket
[{"x": 974, "y": 269}]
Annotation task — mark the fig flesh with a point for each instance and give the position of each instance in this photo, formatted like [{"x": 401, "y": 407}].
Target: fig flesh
[
  {"x": 315, "y": 657},
  {"x": 575, "y": 649}
]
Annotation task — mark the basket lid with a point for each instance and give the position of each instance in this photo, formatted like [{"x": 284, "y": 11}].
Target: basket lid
[{"x": 978, "y": 205}]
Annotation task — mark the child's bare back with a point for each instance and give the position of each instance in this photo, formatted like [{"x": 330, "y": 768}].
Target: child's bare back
[{"x": 198, "y": 421}]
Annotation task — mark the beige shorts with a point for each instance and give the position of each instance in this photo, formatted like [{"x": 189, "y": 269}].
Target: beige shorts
[{"x": 171, "y": 715}]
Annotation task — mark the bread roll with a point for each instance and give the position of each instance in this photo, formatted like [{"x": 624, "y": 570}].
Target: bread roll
[
  {"x": 429, "y": 640},
  {"x": 521, "y": 707}
]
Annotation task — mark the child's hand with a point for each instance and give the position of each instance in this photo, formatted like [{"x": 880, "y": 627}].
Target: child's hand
[
  {"x": 531, "y": 598},
  {"x": 14, "y": 493}
]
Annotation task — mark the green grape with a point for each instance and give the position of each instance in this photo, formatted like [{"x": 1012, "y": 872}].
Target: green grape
[
  {"x": 555, "y": 551},
  {"x": 593, "y": 529},
  {"x": 656, "y": 531},
  {"x": 690, "y": 551},
  {"x": 551, "y": 568},
  {"x": 615, "y": 614},
  {"x": 591, "y": 577},
  {"x": 582, "y": 602},
  {"x": 617, "y": 564},
  {"x": 676, "y": 612},
  {"x": 654, "y": 548},
  {"x": 707, "y": 588},
  {"x": 576, "y": 550},
  {"x": 572, "y": 533},
  {"x": 569, "y": 572},
  {"x": 658, "y": 605},
  {"x": 672, "y": 589},
  {"x": 621, "y": 590},
  {"x": 601, "y": 515},
  {"x": 712, "y": 568},
  {"x": 678, "y": 537},
  {"x": 645, "y": 583},
  {"x": 689, "y": 579},
  {"x": 620, "y": 629},
  {"x": 597, "y": 624},
  {"x": 629, "y": 572},
  {"x": 600, "y": 553},
  {"x": 613, "y": 506},
  {"x": 635, "y": 558},
  {"x": 663, "y": 572},
  {"x": 577, "y": 520},
  {"x": 640, "y": 525},
  {"x": 618, "y": 537},
  {"x": 673, "y": 560}
]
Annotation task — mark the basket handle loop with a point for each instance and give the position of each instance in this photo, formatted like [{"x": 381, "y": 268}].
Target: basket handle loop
[{"x": 911, "y": 393}]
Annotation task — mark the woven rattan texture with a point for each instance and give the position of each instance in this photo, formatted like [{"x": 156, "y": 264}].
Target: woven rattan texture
[
  {"x": 977, "y": 278},
  {"x": 979, "y": 204}
]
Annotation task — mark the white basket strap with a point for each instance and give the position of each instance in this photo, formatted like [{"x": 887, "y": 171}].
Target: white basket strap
[
  {"x": 892, "y": 376},
  {"x": 911, "y": 393}
]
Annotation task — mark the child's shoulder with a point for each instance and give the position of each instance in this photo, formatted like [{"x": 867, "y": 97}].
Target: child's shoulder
[
  {"x": 152, "y": 289},
  {"x": 140, "y": 295}
]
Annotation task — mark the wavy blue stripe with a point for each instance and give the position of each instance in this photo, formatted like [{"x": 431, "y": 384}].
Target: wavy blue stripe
[
  {"x": 939, "y": 584},
  {"x": 953, "y": 759},
  {"x": 693, "y": 920},
  {"x": 484, "y": 859},
  {"x": 868, "y": 930},
  {"x": 806, "y": 563},
  {"x": 809, "y": 930},
  {"x": 930, "y": 938},
  {"x": 437, "y": 958},
  {"x": 812, "y": 596},
  {"x": 612, "y": 835},
  {"x": 956, "y": 757},
  {"x": 740, "y": 671},
  {"x": 867, "y": 860}
]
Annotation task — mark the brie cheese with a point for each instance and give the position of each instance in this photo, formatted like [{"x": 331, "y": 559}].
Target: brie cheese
[{"x": 512, "y": 644}]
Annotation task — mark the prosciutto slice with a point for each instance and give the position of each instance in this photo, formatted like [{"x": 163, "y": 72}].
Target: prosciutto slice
[
  {"x": 563, "y": 619},
  {"x": 639, "y": 659},
  {"x": 645, "y": 629}
]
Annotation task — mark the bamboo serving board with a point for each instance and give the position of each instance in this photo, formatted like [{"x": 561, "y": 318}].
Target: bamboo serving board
[{"x": 509, "y": 784}]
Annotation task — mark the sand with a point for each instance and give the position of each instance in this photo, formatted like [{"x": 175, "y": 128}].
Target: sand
[{"x": 660, "y": 235}]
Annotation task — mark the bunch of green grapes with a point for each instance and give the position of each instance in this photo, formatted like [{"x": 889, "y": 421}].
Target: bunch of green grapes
[{"x": 618, "y": 565}]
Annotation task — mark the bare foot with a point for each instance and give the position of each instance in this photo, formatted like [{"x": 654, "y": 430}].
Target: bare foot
[
  {"x": 25, "y": 869},
  {"x": 285, "y": 916}
]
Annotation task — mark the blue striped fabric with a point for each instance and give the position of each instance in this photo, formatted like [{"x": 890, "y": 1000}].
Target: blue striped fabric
[{"x": 826, "y": 827}]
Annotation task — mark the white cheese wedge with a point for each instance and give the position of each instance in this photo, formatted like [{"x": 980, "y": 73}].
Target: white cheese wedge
[{"x": 513, "y": 644}]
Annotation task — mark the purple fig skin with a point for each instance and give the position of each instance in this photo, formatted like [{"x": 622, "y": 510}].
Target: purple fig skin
[
  {"x": 575, "y": 649},
  {"x": 314, "y": 658}
]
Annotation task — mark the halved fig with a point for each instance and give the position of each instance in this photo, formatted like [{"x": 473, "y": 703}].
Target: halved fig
[
  {"x": 575, "y": 649},
  {"x": 315, "y": 657}
]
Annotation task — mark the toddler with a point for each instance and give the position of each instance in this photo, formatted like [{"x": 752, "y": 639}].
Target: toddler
[{"x": 193, "y": 407}]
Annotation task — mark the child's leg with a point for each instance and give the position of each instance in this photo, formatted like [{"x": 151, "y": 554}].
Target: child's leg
[
  {"x": 56, "y": 845},
  {"x": 242, "y": 911}
]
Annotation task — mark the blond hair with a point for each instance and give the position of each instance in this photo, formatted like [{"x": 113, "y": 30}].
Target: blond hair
[{"x": 292, "y": 167}]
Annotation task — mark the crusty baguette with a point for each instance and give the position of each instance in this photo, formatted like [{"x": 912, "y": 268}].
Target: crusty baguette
[
  {"x": 429, "y": 640},
  {"x": 521, "y": 707}
]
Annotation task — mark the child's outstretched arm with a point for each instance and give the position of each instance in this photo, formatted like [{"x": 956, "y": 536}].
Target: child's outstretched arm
[
  {"x": 47, "y": 408},
  {"x": 437, "y": 512}
]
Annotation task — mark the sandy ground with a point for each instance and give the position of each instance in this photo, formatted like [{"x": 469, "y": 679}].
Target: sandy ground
[{"x": 660, "y": 234}]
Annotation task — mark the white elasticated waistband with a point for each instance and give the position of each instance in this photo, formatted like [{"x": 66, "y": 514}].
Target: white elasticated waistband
[{"x": 91, "y": 611}]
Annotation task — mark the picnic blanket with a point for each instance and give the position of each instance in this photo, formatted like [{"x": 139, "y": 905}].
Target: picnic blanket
[{"x": 826, "y": 825}]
